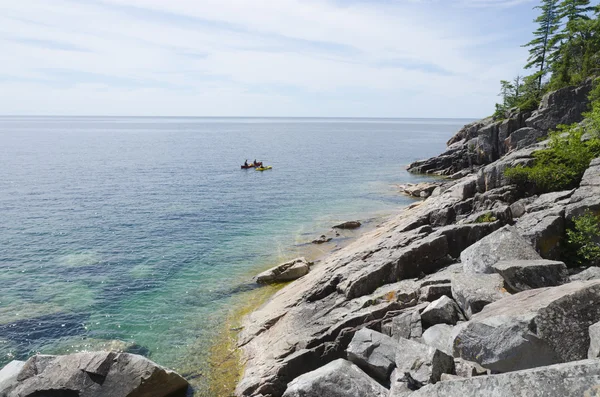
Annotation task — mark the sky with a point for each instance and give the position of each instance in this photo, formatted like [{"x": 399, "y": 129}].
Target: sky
[{"x": 299, "y": 58}]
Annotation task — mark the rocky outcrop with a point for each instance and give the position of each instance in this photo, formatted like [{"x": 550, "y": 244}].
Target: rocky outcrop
[
  {"x": 95, "y": 374},
  {"x": 287, "y": 271},
  {"x": 578, "y": 378},
  {"x": 339, "y": 378},
  {"x": 594, "y": 332},
  {"x": 485, "y": 141},
  {"x": 437, "y": 262}
]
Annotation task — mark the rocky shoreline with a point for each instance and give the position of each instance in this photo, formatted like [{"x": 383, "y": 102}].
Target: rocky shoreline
[{"x": 458, "y": 295}]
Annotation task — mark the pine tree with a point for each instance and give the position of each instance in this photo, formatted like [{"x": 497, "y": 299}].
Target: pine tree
[
  {"x": 543, "y": 45},
  {"x": 570, "y": 10}
]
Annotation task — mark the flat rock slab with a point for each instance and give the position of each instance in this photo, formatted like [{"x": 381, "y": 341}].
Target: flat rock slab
[
  {"x": 97, "y": 374},
  {"x": 503, "y": 244},
  {"x": 8, "y": 375},
  {"x": 580, "y": 378},
  {"x": 339, "y": 378},
  {"x": 591, "y": 273},
  {"x": 521, "y": 275},
  {"x": 405, "y": 325},
  {"x": 473, "y": 292},
  {"x": 532, "y": 328},
  {"x": 374, "y": 353},
  {"x": 287, "y": 271}
]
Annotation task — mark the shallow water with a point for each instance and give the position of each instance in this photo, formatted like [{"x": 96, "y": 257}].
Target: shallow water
[{"x": 145, "y": 230}]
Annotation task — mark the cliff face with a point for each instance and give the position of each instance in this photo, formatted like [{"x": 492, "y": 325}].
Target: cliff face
[
  {"x": 485, "y": 141},
  {"x": 389, "y": 303}
]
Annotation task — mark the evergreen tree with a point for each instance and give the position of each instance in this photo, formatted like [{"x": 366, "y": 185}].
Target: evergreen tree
[
  {"x": 543, "y": 45},
  {"x": 570, "y": 10}
]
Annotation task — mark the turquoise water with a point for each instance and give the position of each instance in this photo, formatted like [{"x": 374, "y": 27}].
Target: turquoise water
[{"x": 144, "y": 230}]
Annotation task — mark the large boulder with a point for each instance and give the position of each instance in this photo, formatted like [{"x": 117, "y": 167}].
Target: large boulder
[
  {"x": 473, "y": 292},
  {"x": 96, "y": 374},
  {"x": 425, "y": 363},
  {"x": 438, "y": 336},
  {"x": 339, "y": 378},
  {"x": 544, "y": 230},
  {"x": 287, "y": 271},
  {"x": 580, "y": 378},
  {"x": 503, "y": 244},
  {"x": 591, "y": 273},
  {"x": 532, "y": 328},
  {"x": 523, "y": 275},
  {"x": 587, "y": 196},
  {"x": 442, "y": 311},
  {"x": 8, "y": 376},
  {"x": 374, "y": 353},
  {"x": 405, "y": 325}
]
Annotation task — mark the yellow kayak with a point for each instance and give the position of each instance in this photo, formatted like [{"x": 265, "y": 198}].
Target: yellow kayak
[{"x": 263, "y": 168}]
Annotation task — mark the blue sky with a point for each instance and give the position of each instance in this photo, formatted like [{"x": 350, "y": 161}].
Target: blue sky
[{"x": 336, "y": 58}]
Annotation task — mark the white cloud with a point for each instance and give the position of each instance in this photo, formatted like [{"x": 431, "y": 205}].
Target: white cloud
[{"x": 243, "y": 57}]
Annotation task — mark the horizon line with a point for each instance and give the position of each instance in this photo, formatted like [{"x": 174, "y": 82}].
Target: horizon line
[{"x": 244, "y": 117}]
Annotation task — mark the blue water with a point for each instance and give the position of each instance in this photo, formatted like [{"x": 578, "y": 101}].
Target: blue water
[{"x": 144, "y": 230}]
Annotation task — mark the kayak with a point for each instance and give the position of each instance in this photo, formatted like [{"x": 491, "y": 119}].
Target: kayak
[
  {"x": 252, "y": 165},
  {"x": 263, "y": 168}
]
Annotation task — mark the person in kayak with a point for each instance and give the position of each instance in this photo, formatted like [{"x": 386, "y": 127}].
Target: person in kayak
[
  {"x": 246, "y": 163},
  {"x": 255, "y": 163}
]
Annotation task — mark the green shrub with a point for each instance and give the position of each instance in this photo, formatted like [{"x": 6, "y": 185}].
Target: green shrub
[
  {"x": 562, "y": 164},
  {"x": 583, "y": 240},
  {"x": 486, "y": 218}
]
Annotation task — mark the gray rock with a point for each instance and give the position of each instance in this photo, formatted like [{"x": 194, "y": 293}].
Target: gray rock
[
  {"x": 8, "y": 376},
  {"x": 404, "y": 325},
  {"x": 460, "y": 237},
  {"x": 549, "y": 200},
  {"x": 587, "y": 196},
  {"x": 532, "y": 328},
  {"x": 287, "y": 271},
  {"x": 544, "y": 230},
  {"x": 591, "y": 273},
  {"x": 523, "y": 275},
  {"x": 442, "y": 311},
  {"x": 473, "y": 292},
  {"x": 374, "y": 353},
  {"x": 580, "y": 378},
  {"x": 322, "y": 239},
  {"x": 563, "y": 106},
  {"x": 438, "y": 336},
  {"x": 503, "y": 244},
  {"x": 97, "y": 374},
  {"x": 594, "y": 349},
  {"x": 469, "y": 369},
  {"x": 429, "y": 293},
  {"x": 523, "y": 137},
  {"x": 339, "y": 378},
  {"x": 348, "y": 225},
  {"x": 492, "y": 175},
  {"x": 425, "y": 364}
]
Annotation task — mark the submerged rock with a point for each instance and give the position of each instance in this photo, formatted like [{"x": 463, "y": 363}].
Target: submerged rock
[
  {"x": 348, "y": 225},
  {"x": 285, "y": 272}
]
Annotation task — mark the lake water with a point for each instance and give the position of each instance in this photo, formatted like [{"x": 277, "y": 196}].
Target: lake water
[{"x": 144, "y": 230}]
